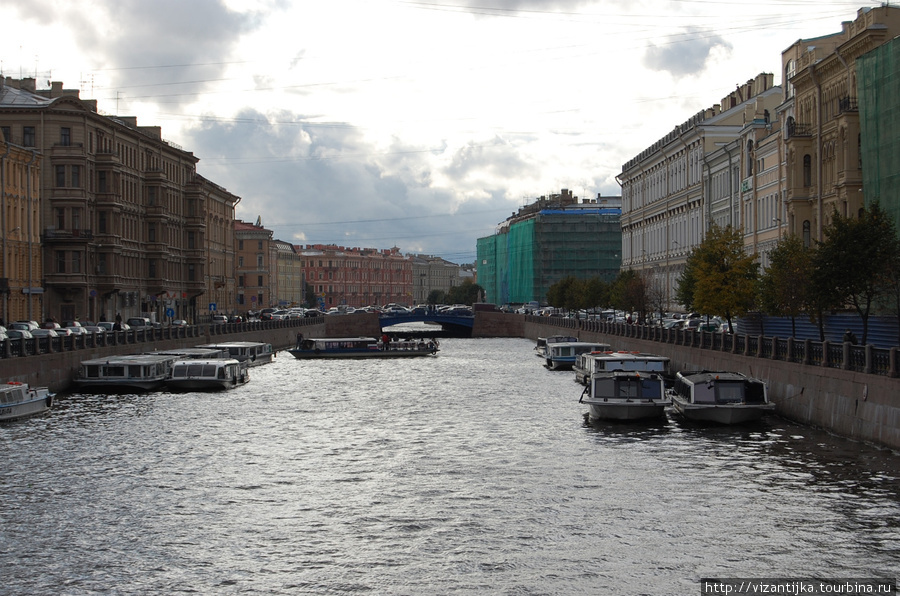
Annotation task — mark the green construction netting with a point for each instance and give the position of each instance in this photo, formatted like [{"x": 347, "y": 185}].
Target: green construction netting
[
  {"x": 878, "y": 90},
  {"x": 520, "y": 265}
]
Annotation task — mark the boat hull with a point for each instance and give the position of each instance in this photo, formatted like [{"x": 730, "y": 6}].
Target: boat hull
[
  {"x": 118, "y": 386},
  {"x": 39, "y": 401},
  {"x": 623, "y": 410},
  {"x": 722, "y": 413}
]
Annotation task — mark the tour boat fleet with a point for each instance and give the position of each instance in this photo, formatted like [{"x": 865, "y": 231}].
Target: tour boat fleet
[
  {"x": 622, "y": 385},
  {"x": 18, "y": 400}
]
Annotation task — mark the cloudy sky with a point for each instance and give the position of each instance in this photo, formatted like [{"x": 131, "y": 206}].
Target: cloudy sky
[{"x": 421, "y": 125}]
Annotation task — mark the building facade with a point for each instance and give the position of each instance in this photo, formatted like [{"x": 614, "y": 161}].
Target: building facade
[
  {"x": 20, "y": 232},
  {"x": 708, "y": 169},
  {"x": 432, "y": 274},
  {"x": 822, "y": 127},
  {"x": 118, "y": 226},
  {"x": 291, "y": 277},
  {"x": 357, "y": 277},
  {"x": 256, "y": 256}
]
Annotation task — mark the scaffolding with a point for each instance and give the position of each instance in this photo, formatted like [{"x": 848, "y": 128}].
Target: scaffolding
[
  {"x": 878, "y": 89},
  {"x": 521, "y": 262}
]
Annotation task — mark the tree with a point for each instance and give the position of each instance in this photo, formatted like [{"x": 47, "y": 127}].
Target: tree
[
  {"x": 629, "y": 293},
  {"x": 436, "y": 297},
  {"x": 855, "y": 259},
  {"x": 567, "y": 293},
  {"x": 687, "y": 282},
  {"x": 468, "y": 292},
  {"x": 723, "y": 278},
  {"x": 785, "y": 285}
]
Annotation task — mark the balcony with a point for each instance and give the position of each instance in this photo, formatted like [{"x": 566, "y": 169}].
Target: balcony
[
  {"x": 54, "y": 235},
  {"x": 847, "y": 104},
  {"x": 797, "y": 129}
]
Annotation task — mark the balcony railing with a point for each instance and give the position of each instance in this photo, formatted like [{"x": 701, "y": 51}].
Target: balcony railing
[{"x": 51, "y": 234}]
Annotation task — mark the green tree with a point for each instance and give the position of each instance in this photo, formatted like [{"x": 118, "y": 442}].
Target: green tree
[
  {"x": 855, "y": 258},
  {"x": 567, "y": 293},
  {"x": 468, "y": 292},
  {"x": 785, "y": 284},
  {"x": 723, "y": 277},
  {"x": 629, "y": 293},
  {"x": 436, "y": 297},
  {"x": 596, "y": 293},
  {"x": 687, "y": 281}
]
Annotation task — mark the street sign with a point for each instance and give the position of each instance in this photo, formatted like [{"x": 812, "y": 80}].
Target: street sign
[
  {"x": 212, "y": 306},
  {"x": 170, "y": 312}
]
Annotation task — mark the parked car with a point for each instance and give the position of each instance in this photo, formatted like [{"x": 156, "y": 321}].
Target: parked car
[
  {"x": 44, "y": 333},
  {"x": 24, "y": 325},
  {"x": 19, "y": 334},
  {"x": 77, "y": 330},
  {"x": 179, "y": 323},
  {"x": 219, "y": 320},
  {"x": 94, "y": 329},
  {"x": 138, "y": 322}
]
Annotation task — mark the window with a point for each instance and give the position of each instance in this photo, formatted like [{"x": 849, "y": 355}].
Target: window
[
  {"x": 259, "y": 261},
  {"x": 240, "y": 281},
  {"x": 192, "y": 272},
  {"x": 240, "y": 245},
  {"x": 76, "y": 176},
  {"x": 101, "y": 222},
  {"x": 151, "y": 268},
  {"x": 807, "y": 170},
  {"x": 76, "y": 218},
  {"x": 749, "y": 158},
  {"x": 60, "y": 176},
  {"x": 151, "y": 233},
  {"x": 151, "y": 196},
  {"x": 60, "y": 219},
  {"x": 806, "y": 233},
  {"x": 76, "y": 262},
  {"x": 65, "y": 136},
  {"x": 259, "y": 245},
  {"x": 101, "y": 263},
  {"x": 101, "y": 181},
  {"x": 28, "y": 136},
  {"x": 259, "y": 281},
  {"x": 190, "y": 240},
  {"x": 60, "y": 261},
  {"x": 7, "y": 133},
  {"x": 240, "y": 261}
]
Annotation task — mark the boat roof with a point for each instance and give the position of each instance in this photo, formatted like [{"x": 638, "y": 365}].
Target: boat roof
[
  {"x": 706, "y": 376},
  {"x": 191, "y": 353},
  {"x": 342, "y": 338},
  {"x": 625, "y": 356},
  {"x": 234, "y": 344},
  {"x": 643, "y": 374},
  {"x": 202, "y": 361},
  {"x": 131, "y": 359}
]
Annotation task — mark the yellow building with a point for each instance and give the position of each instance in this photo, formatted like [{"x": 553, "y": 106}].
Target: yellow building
[
  {"x": 822, "y": 131},
  {"x": 20, "y": 231}
]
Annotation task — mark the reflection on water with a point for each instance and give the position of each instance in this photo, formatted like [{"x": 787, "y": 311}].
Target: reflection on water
[{"x": 469, "y": 473}]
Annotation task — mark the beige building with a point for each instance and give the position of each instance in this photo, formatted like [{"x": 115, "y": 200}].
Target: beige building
[
  {"x": 291, "y": 278},
  {"x": 430, "y": 274},
  {"x": 256, "y": 259},
  {"x": 20, "y": 231},
  {"x": 822, "y": 131},
  {"x": 126, "y": 222},
  {"x": 704, "y": 171}
]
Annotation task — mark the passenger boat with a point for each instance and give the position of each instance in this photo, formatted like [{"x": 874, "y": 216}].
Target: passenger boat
[
  {"x": 361, "y": 347},
  {"x": 18, "y": 400},
  {"x": 625, "y": 395},
  {"x": 561, "y": 355},
  {"x": 722, "y": 397},
  {"x": 193, "y": 353},
  {"x": 207, "y": 375},
  {"x": 255, "y": 353},
  {"x": 590, "y": 362},
  {"x": 540, "y": 347},
  {"x": 116, "y": 374}
]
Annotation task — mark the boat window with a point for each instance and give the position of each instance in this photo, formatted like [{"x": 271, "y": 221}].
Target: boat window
[
  {"x": 704, "y": 393},
  {"x": 651, "y": 389},
  {"x": 179, "y": 372},
  {"x": 114, "y": 371},
  {"x": 629, "y": 388},
  {"x": 92, "y": 370},
  {"x": 756, "y": 393},
  {"x": 729, "y": 393},
  {"x": 604, "y": 388}
]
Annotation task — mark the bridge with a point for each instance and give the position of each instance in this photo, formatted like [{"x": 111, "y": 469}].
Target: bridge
[{"x": 451, "y": 325}]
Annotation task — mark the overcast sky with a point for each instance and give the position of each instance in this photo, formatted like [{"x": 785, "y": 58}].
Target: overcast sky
[{"x": 421, "y": 125}]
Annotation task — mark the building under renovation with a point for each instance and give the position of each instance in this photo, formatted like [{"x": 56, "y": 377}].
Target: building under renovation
[{"x": 553, "y": 238}]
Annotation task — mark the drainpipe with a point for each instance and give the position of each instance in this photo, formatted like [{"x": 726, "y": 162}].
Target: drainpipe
[
  {"x": 819, "y": 207},
  {"x": 28, "y": 197},
  {"x": 3, "y": 224}
]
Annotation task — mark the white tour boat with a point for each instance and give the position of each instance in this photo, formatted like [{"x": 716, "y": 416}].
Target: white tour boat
[
  {"x": 361, "y": 347},
  {"x": 625, "y": 395},
  {"x": 723, "y": 397},
  {"x": 561, "y": 355},
  {"x": 18, "y": 400},
  {"x": 540, "y": 348},
  {"x": 590, "y": 362},
  {"x": 207, "y": 375},
  {"x": 116, "y": 374},
  {"x": 253, "y": 352}
]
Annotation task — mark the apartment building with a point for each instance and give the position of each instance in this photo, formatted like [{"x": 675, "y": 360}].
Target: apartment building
[
  {"x": 822, "y": 129},
  {"x": 21, "y": 275},
  {"x": 291, "y": 286},
  {"x": 355, "y": 277},
  {"x": 718, "y": 166},
  {"x": 430, "y": 274},
  {"x": 256, "y": 256}
]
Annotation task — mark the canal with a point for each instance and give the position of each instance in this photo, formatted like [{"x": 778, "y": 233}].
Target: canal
[{"x": 472, "y": 472}]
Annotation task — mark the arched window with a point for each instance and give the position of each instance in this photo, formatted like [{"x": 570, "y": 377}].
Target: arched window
[
  {"x": 806, "y": 233},
  {"x": 807, "y": 170}
]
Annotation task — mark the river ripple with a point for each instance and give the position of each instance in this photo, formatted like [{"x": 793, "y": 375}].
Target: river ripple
[{"x": 469, "y": 473}]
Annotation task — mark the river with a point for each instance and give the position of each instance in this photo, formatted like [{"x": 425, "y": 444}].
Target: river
[{"x": 472, "y": 472}]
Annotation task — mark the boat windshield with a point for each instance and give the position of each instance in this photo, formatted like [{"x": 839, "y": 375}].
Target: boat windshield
[
  {"x": 729, "y": 393},
  {"x": 628, "y": 388}
]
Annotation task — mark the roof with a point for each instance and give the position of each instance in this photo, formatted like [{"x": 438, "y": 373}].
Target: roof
[{"x": 10, "y": 96}]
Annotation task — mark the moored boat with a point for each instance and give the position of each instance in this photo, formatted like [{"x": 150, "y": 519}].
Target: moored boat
[
  {"x": 625, "y": 395},
  {"x": 561, "y": 355},
  {"x": 18, "y": 400},
  {"x": 721, "y": 397},
  {"x": 207, "y": 375},
  {"x": 117, "y": 374},
  {"x": 589, "y": 363},
  {"x": 361, "y": 347},
  {"x": 253, "y": 352},
  {"x": 541, "y": 347}
]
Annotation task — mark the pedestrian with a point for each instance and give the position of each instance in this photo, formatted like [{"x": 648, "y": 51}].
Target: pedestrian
[{"x": 850, "y": 337}]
